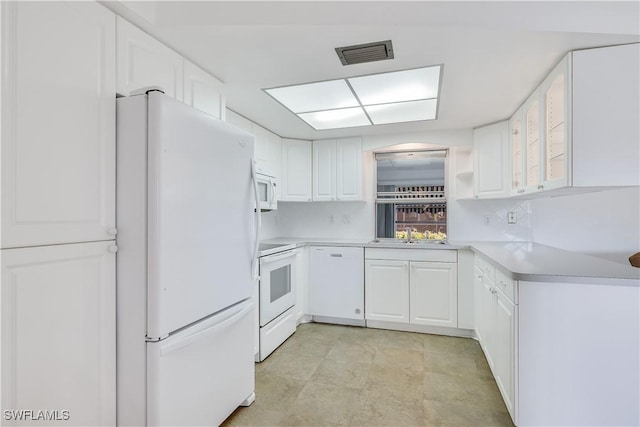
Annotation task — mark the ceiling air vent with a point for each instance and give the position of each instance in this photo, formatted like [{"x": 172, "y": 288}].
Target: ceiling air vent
[{"x": 369, "y": 52}]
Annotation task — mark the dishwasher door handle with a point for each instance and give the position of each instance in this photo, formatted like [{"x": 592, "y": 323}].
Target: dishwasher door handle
[{"x": 336, "y": 255}]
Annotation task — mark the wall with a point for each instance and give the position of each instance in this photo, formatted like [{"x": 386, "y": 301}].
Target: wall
[{"x": 605, "y": 223}]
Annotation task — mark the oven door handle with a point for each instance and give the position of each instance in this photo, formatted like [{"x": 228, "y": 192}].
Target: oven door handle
[
  {"x": 257, "y": 220},
  {"x": 280, "y": 256}
]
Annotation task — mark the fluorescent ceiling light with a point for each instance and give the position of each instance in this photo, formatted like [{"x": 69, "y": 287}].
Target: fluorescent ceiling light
[
  {"x": 409, "y": 85},
  {"x": 334, "y": 119},
  {"x": 395, "y": 97},
  {"x": 328, "y": 95},
  {"x": 402, "y": 111}
]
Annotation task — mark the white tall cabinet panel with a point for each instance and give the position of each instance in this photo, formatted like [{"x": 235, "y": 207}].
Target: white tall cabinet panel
[
  {"x": 203, "y": 91},
  {"x": 143, "y": 61},
  {"x": 386, "y": 290},
  {"x": 58, "y": 331},
  {"x": 58, "y": 123},
  {"x": 434, "y": 294},
  {"x": 296, "y": 170},
  {"x": 324, "y": 170}
]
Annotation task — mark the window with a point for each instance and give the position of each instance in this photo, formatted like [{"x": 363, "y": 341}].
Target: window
[{"x": 411, "y": 195}]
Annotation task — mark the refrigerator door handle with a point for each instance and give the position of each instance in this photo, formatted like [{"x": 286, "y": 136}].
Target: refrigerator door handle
[
  {"x": 233, "y": 314},
  {"x": 254, "y": 263}
]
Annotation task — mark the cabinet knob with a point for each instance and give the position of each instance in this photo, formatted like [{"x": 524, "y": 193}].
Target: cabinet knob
[
  {"x": 112, "y": 249},
  {"x": 357, "y": 311},
  {"x": 112, "y": 231}
]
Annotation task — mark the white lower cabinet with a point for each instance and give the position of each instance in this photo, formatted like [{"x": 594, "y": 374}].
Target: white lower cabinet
[
  {"x": 496, "y": 327},
  {"x": 386, "y": 290},
  {"x": 417, "y": 287},
  {"x": 58, "y": 332},
  {"x": 434, "y": 294}
]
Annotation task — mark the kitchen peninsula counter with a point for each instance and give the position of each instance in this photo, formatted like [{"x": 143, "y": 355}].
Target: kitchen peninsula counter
[{"x": 525, "y": 261}]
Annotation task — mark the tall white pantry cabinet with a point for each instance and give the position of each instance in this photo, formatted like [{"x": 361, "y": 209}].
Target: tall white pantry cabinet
[{"x": 57, "y": 300}]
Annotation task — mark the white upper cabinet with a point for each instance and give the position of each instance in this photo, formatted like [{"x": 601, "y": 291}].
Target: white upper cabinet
[
  {"x": 490, "y": 160},
  {"x": 324, "y": 170},
  {"x": 579, "y": 130},
  {"x": 337, "y": 169},
  {"x": 296, "y": 170},
  {"x": 59, "y": 330},
  {"x": 203, "y": 91},
  {"x": 261, "y": 152},
  {"x": 605, "y": 116},
  {"x": 274, "y": 159},
  {"x": 349, "y": 169},
  {"x": 143, "y": 61},
  {"x": 58, "y": 123}
]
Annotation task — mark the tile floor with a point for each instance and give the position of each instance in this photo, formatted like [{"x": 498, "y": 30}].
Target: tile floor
[{"x": 330, "y": 375}]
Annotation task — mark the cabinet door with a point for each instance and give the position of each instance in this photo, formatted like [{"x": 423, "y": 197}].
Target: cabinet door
[
  {"x": 143, "y": 61},
  {"x": 349, "y": 169},
  {"x": 58, "y": 123},
  {"x": 387, "y": 290},
  {"x": 533, "y": 144},
  {"x": 324, "y": 170},
  {"x": 274, "y": 143},
  {"x": 487, "y": 319},
  {"x": 516, "y": 142},
  {"x": 261, "y": 152},
  {"x": 490, "y": 154},
  {"x": 555, "y": 98},
  {"x": 434, "y": 294},
  {"x": 203, "y": 91},
  {"x": 504, "y": 348},
  {"x": 58, "y": 330},
  {"x": 296, "y": 170}
]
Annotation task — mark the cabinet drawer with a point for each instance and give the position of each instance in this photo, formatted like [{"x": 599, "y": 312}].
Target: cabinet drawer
[
  {"x": 486, "y": 267},
  {"x": 436, "y": 255},
  {"x": 505, "y": 284}
]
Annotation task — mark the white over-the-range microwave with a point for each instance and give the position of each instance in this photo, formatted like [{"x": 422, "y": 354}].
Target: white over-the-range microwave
[{"x": 267, "y": 191}]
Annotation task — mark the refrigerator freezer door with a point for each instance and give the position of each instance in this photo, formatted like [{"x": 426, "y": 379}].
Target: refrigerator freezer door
[
  {"x": 200, "y": 375},
  {"x": 201, "y": 215}
]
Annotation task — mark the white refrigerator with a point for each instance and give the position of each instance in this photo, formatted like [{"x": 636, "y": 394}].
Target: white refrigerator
[{"x": 187, "y": 244}]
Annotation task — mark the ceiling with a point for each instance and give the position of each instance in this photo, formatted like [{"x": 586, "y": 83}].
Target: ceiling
[{"x": 494, "y": 53}]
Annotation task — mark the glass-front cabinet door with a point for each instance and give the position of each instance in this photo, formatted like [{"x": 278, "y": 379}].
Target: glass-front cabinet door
[
  {"x": 555, "y": 98},
  {"x": 517, "y": 154},
  {"x": 533, "y": 144}
]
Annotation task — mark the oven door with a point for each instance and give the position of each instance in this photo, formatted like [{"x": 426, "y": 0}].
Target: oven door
[{"x": 277, "y": 284}]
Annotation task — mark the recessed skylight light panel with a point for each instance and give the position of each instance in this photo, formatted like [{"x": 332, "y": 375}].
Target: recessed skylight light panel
[
  {"x": 328, "y": 95},
  {"x": 395, "y": 97}
]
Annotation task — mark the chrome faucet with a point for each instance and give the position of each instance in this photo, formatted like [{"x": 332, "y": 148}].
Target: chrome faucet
[{"x": 408, "y": 230}]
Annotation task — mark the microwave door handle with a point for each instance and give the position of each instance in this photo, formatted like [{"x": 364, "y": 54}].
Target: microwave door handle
[
  {"x": 273, "y": 192},
  {"x": 257, "y": 219}
]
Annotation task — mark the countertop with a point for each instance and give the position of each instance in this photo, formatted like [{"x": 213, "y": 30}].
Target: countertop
[{"x": 524, "y": 261}]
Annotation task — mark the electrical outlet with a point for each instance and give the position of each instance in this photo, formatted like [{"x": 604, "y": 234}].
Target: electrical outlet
[
  {"x": 487, "y": 219},
  {"x": 511, "y": 218},
  {"x": 330, "y": 219},
  {"x": 346, "y": 219}
]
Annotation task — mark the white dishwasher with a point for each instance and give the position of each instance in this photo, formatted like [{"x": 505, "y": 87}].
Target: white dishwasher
[{"x": 336, "y": 285}]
